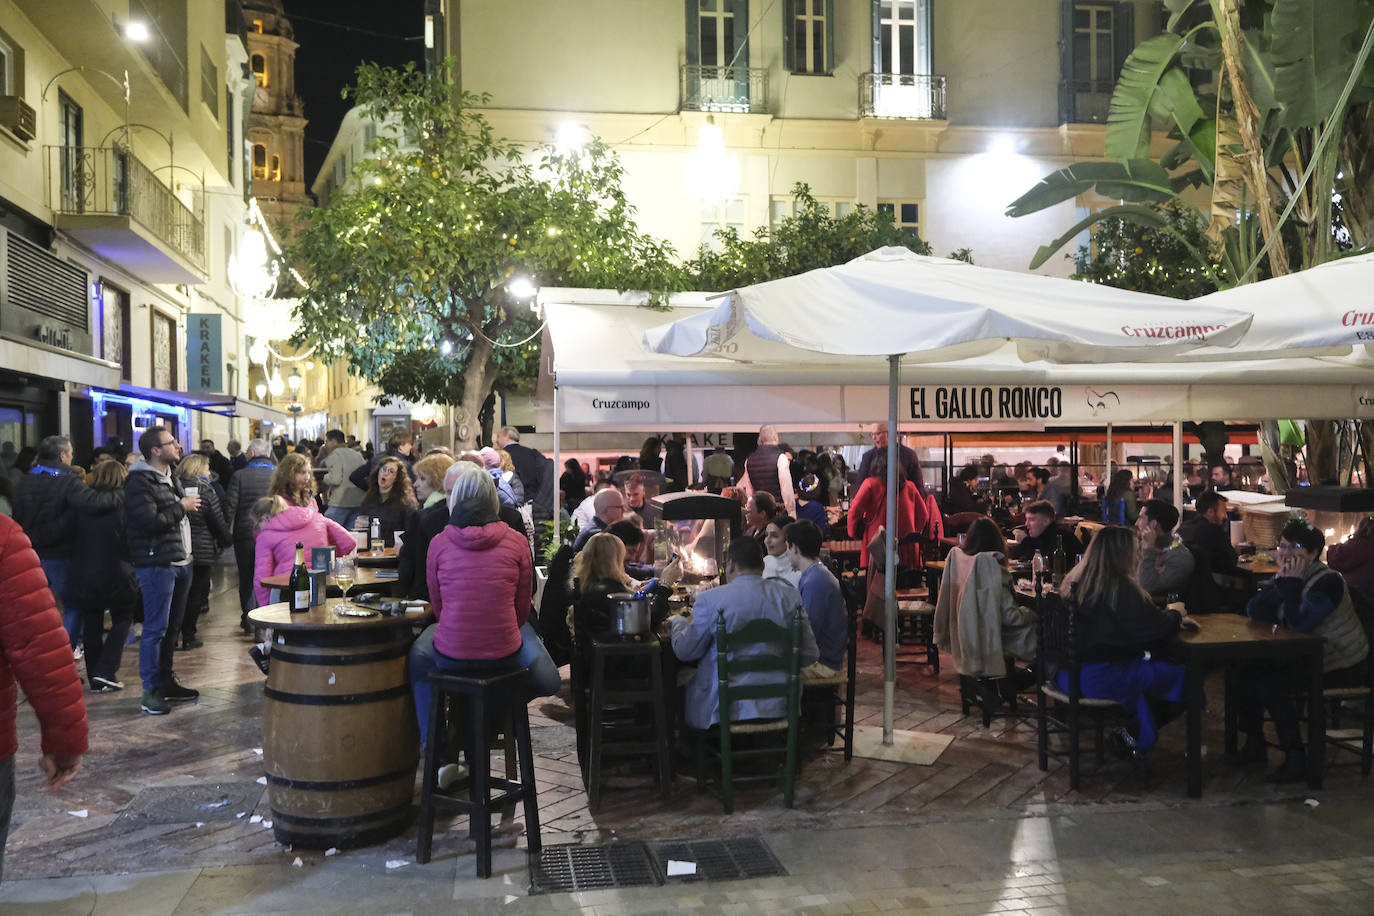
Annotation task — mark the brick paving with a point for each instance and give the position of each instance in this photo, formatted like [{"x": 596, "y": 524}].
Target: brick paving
[{"x": 982, "y": 830}]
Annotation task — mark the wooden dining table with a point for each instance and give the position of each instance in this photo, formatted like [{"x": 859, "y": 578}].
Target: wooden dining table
[
  {"x": 365, "y": 578},
  {"x": 1230, "y": 638}
]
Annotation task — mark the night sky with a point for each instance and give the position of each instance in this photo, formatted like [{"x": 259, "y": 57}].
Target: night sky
[{"x": 335, "y": 36}]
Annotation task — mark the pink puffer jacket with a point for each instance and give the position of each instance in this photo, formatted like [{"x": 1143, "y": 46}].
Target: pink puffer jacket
[
  {"x": 480, "y": 588},
  {"x": 275, "y": 552}
]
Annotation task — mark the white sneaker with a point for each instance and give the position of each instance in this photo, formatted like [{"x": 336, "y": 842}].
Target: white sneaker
[
  {"x": 450, "y": 774},
  {"x": 79, "y": 653}
]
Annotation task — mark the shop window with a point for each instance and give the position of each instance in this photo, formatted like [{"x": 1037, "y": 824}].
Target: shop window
[
  {"x": 906, "y": 214},
  {"x": 258, "y": 64},
  {"x": 259, "y": 162}
]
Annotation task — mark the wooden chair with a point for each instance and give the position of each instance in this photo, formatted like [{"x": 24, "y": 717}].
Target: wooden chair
[
  {"x": 1359, "y": 740},
  {"x": 1059, "y": 711},
  {"x": 837, "y": 693},
  {"x": 778, "y": 653}
]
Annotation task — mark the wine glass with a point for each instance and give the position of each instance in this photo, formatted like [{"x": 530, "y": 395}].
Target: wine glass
[{"x": 344, "y": 574}]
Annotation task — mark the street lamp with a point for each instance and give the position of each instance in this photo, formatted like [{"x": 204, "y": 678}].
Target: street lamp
[
  {"x": 274, "y": 383},
  {"x": 294, "y": 381},
  {"x": 712, "y": 172}
]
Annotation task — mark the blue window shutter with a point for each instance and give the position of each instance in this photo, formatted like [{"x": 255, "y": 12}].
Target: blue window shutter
[
  {"x": 740, "y": 8},
  {"x": 829, "y": 63},
  {"x": 925, "y": 21},
  {"x": 877, "y": 36},
  {"x": 1066, "y": 94},
  {"x": 1123, "y": 36},
  {"x": 789, "y": 23},
  {"x": 693, "y": 34}
]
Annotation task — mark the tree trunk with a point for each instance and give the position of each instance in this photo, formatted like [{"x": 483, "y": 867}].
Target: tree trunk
[{"x": 477, "y": 384}]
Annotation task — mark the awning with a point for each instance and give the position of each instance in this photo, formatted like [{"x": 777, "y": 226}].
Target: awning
[
  {"x": 225, "y": 405},
  {"x": 37, "y": 359}
]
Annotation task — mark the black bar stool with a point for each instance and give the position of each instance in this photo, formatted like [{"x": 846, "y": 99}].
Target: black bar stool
[
  {"x": 474, "y": 693},
  {"x": 626, "y": 736}
]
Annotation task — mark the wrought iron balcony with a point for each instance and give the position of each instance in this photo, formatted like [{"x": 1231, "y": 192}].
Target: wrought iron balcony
[
  {"x": 902, "y": 95},
  {"x": 1085, "y": 101},
  {"x": 109, "y": 201},
  {"x": 733, "y": 89}
]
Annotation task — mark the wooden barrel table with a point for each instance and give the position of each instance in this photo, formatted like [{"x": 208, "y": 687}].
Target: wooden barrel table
[{"x": 339, "y": 737}]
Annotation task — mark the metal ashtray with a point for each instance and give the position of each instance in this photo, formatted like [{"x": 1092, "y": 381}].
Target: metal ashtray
[{"x": 352, "y": 611}]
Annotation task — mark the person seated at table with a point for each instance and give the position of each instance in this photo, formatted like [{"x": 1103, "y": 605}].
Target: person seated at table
[
  {"x": 1166, "y": 563},
  {"x": 632, "y": 536},
  {"x": 1206, "y": 534},
  {"x": 776, "y": 563},
  {"x": 810, "y": 505},
  {"x": 423, "y": 525},
  {"x": 759, "y": 509},
  {"x": 1222, "y": 477},
  {"x": 1048, "y": 487},
  {"x": 598, "y": 573},
  {"x": 821, "y": 599},
  {"x": 1119, "y": 504},
  {"x": 481, "y": 582},
  {"x": 608, "y": 506},
  {"x": 977, "y": 619},
  {"x": 961, "y": 498},
  {"x": 746, "y": 596},
  {"x": 389, "y": 497},
  {"x": 1308, "y": 597},
  {"x": 282, "y": 528},
  {"x": 1043, "y": 533},
  {"x": 1118, "y": 627},
  {"x": 1353, "y": 558}
]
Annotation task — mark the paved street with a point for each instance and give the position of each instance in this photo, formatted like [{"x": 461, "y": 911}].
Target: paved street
[{"x": 982, "y": 830}]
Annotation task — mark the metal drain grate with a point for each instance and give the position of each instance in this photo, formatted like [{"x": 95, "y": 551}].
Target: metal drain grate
[
  {"x": 718, "y": 860},
  {"x": 574, "y": 867}
]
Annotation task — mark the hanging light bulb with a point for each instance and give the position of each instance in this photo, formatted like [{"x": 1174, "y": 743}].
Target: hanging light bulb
[
  {"x": 258, "y": 352},
  {"x": 252, "y": 274},
  {"x": 275, "y": 384},
  {"x": 712, "y": 172}
]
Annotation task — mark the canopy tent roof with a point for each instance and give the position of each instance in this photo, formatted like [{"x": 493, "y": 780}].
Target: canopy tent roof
[
  {"x": 936, "y": 310},
  {"x": 607, "y": 380}
]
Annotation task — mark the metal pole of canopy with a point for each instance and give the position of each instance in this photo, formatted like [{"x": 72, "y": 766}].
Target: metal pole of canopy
[
  {"x": 1106, "y": 471},
  {"x": 1178, "y": 467},
  {"x": 890, "y": 576}
]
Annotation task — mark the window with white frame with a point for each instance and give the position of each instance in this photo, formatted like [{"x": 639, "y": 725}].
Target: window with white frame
[
  {"x": 716, "y": 28},
  {"x": 906, "y": 214},
  {"x": 904, "y": 33},
  {"x": 780, "y": 208},
  {"x": 7, "y": 62},
  {"x": 729, "y": 217},
  {"x": 809, "y": 41},
  {"x": 1094, "y": 56}
]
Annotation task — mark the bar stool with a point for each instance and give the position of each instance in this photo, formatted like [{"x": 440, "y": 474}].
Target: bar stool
[
  {"x": 474, "y": 693},
  {"x": 624, "y": 736}
]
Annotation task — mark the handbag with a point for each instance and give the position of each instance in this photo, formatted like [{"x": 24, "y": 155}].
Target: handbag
[{"x": 877, "y": 551}]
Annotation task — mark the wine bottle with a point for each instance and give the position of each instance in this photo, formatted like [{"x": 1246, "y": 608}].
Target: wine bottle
[
  {"x": 1058, "y": 560},
  {"x": 299, "y": 584}
]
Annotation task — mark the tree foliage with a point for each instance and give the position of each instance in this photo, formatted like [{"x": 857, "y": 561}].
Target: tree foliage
[
  {"x": 410, "y": 266},
  {"x": 811, "y": 237},
  {"x": 1153, "y": 258}
]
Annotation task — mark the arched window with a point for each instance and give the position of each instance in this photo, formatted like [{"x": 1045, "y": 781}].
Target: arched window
[
  {"x": 259, "y": 162},
  {"x": 258, "y": 64},
  {"x": 275, "y": 174},
  {"x": 257, "y": 26}
]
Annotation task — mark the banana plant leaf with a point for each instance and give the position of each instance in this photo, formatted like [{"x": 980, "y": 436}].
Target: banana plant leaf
[
  {"x": 1128, "y": 121},
  {"x": 1313, "y": 55},
  {"x": 1136, "y": 181},
  {"x": 1144, "y": 216}
]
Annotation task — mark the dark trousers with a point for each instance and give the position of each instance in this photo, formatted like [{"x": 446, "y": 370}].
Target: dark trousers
[
  {"x": 1271, "y": 687},
  {"x": 197, "y": 601},
  {"x": 6, "y": 804},
  {"x": 244, "y": 554},
  {"x": 103, "y": 654}
]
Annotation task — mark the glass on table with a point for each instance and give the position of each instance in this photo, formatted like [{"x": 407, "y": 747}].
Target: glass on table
[{"x": 345, "y": 571}]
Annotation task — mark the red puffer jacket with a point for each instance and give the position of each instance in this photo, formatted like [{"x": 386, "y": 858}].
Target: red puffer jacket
[{"x": 35, "y": 651}]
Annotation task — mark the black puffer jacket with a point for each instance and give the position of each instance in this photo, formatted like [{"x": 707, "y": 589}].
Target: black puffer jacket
[
  {"x": 248, "y": 485},
  {"x": 209, "y": 529},
  {"x": 45, "y": 503},
  {"x": 420, "y": 529},
  {"x": 152, "y": 505},
  {"x": 101, "y": 571}
]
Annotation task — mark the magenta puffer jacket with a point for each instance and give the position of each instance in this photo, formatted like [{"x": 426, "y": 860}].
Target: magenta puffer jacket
[
  {"x": 480, "y": 589},
  {"x": 275, "y": 552}
]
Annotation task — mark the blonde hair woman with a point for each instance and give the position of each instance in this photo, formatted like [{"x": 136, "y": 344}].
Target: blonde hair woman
[
  {"x": 1117, "y": 624},
  {"x": 294, "y": 481},
  {"x": 423, "y": 525}
]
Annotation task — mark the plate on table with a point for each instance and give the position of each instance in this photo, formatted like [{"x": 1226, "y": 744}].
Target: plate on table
[{"x": 355, "y": 611}]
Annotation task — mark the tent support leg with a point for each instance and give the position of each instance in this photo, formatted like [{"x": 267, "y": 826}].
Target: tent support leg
[
  {"x": 894, "y": 363},
  {"x": 557, "y": 464},
  {"x": 1178, "y": 467}
]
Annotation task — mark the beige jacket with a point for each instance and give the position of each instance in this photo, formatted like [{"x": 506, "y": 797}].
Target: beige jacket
[{"x": 977, "y": 621}]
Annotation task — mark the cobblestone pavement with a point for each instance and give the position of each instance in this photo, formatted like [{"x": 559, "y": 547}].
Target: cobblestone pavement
[{"x": 982, "y": 830}]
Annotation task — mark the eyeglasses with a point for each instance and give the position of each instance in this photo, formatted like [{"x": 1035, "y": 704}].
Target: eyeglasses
[{"x": 167, "y": 443}]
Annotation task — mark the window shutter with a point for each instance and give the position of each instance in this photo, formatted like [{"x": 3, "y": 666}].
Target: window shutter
[
  {"x": 789, "y": 22},
  {"x": 925, "y": 22},
  {"x": 741, "y": 53},
  {"x": 1066, "y": 94},
  {"x": 877, "y": 35},
  {"x": 829, "y": 63},
  {"x": 693, "y": 34},
  {"x": 1123, "y": 35}
]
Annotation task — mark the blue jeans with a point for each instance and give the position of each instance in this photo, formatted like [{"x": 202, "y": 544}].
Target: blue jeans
[
  {"x": 164, "y": 605},
  {"x": 59, "y": 573},
  {"x": 344, "y": 515},
  {"x": 1133, "y": 684},
  {"x": 425, "y": 660}
]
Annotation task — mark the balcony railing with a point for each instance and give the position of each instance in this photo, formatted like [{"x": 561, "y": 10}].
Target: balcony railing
[
  {"x": 734, "y": 89},
  {"x": 902, "y": 95},
  {"x": 111, "y": 181},
  {"x": 1085, "y": 101}
]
